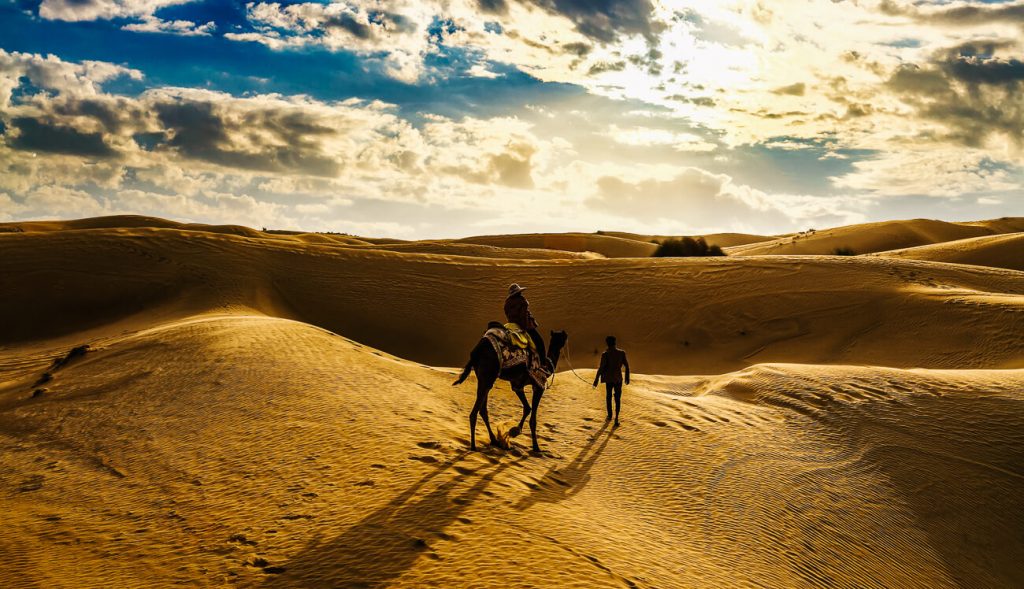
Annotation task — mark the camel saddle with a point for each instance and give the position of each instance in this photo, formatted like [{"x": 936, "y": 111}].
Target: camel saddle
[{"x": 515, "y": 348}]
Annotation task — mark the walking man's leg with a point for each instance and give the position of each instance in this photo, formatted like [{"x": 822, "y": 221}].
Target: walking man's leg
[
  {"x": 618, "y": 401},
  {"x": 608, "y": 387}
]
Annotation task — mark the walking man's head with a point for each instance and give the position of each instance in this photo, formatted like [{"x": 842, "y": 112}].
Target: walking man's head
[{"x": 610, "y": 340}]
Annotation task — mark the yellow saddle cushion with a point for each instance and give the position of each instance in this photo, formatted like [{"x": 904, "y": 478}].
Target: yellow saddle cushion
[{"x": 518, "y": 337}]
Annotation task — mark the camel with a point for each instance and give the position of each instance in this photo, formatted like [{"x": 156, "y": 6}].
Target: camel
[{"x": 484, "y": 360}]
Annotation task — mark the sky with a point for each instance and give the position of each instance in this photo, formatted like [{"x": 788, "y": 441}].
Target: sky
[{"x": 449, "y": 118}]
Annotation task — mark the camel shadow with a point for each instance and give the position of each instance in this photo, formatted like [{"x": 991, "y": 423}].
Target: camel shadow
[
  {"x": 559, "y": 484},
  {"x": 388, "y": 542}
]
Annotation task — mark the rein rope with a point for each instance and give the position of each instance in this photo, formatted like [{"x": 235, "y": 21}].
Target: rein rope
[{"x": 568, "y": 359}]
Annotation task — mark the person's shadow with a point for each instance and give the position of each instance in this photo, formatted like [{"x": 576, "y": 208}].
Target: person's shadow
[
  {"x": 387, "y": 542},
  {"x": 559, "y": 484}
]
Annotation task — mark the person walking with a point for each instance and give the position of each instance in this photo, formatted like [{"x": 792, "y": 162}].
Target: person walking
[{"x": 613, "y": 360}]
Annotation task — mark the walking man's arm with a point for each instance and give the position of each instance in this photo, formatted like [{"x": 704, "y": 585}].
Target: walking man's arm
[
  {"x": 600, "y": 370},
  {"x": 625, "y": 362}
]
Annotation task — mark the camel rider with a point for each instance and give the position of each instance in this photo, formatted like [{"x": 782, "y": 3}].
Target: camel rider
[{"x": 517, "y": 310}]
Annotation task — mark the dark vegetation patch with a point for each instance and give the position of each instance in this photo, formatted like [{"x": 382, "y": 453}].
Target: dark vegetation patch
[{"x": 686, "y": 247}]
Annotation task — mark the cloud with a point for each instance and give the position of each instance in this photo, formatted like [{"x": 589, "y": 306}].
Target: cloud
[
  {"x": 702, "y": 200},
  {"x": 958, "y": 14},
  {"x": 797, "y": 89},
  {"x": 33, "y": 135},
  {"x": 52, "y": 74},
  {"x": 390, "y": 33},
  {"x": 84, "y": 10},
  {"x": 605, "y": 20},
  {"x": 652, "y": 137},
  {"x": 937, "y": 173},
  {"x": 187, "y": 28},
  {"x": 974, "y": 91}
]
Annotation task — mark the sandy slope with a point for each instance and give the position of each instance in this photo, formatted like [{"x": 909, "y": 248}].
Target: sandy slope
[
  {"x": 675, "y": 316},
  {"x": 997, "y": 251},
  {"x": 217, "y": 434},
  {"x": 455, "y": 248},
  {"x": 254, "y": 451},
  {"x": 876, "y": 237},
  {"x": 606, "y": 245},
  {"x": 719, "y": 239}
]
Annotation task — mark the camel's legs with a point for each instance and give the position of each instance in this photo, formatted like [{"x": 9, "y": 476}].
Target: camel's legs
[
  {"x": 538, "y": 392},
  {"x": 526, "y": 407},
  {"x": 472, "y": 423},
  {"x": 485, "y": 377},
  {"x": 487, "y": 422}
]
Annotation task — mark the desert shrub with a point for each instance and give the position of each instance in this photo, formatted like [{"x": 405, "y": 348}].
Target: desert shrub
[
  {"x": 844, "y": 251},
  {"x": 686, "y": 247}
]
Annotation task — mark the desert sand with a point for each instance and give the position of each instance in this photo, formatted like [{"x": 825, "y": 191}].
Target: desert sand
[{"x": 263, "y": 409}]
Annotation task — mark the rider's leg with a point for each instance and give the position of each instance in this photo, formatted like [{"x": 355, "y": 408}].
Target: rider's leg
[{"x": 538, "y": 342}]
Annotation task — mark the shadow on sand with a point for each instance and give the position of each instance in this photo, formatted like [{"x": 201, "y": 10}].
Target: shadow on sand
[
  {"x": 559, "y": 484},
  {"x": 387, "y": 543}
]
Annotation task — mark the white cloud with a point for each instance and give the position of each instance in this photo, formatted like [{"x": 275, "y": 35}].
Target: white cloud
[
  {"x": 648, "y": 136},
  {"x": 83, "y": 10},
  {"x": 152, "y": 24},
  {"x": 937, "y": 173}
]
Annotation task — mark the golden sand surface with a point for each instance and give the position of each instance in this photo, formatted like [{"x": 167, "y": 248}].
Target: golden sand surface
[
  {"x": 262, "y": 410},
  {"x": 877, "y": 237},
  {"x": 998, "y": 251}
]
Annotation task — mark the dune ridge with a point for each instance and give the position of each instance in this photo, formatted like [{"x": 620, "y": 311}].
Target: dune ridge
[
  {"x": 998, "y": 251},
  {"x": 679, "y": 316},
  {"x": 876, "y": 237}
]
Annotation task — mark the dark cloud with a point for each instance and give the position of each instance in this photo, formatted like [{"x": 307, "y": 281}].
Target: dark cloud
[
  {"x": 797, "y": 89},
  {"x": 605, "y": 20},
  {"x": 493, "y": 6},
  {"x": 197, "y": 130},
  {"x": 603, "y": 66},
  {"x": 350, "y": 24},
  {"x": 959, "y": 15},
  {"x": 113, "y": 114},
  {"x": 577, "y": 49},
  {"x": 35, "y": 135},
  {"x": 969, "y": 90}
]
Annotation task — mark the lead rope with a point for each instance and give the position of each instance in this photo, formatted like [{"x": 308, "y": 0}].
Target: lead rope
[{"x": 568, "y": 359}]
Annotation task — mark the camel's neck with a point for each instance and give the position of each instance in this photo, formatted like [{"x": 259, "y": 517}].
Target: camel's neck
[{"x": 554, "y": 352}]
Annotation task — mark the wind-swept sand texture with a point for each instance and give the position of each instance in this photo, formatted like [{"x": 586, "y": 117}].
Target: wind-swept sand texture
[
  {"x": 216, "y": 433},
  {"x": 875, "y": 237},
  {"x": 997, "y": 251}
]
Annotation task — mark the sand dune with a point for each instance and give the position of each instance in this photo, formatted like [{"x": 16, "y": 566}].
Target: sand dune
[
  {"x": 997, "y": 251},
  {"x": 606, "y": 245},
  {"x": 719, "y": 239},
  {"x": 250, "y": 451},
  {"x": 676, "y": 316},
  {"x": 875, "y": 237},
  {"x": 260, "y": 410},
  {"x": 455, "y": 248}
]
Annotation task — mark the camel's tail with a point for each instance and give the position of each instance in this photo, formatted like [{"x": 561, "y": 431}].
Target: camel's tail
[{"x": 465, "y": 371}]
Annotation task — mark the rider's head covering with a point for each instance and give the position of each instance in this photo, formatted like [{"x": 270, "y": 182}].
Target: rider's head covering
[{"x": 514, "y": 289}]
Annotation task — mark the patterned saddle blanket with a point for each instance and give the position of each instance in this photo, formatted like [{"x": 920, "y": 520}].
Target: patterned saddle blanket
[{"x": 513, "y": 351}]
